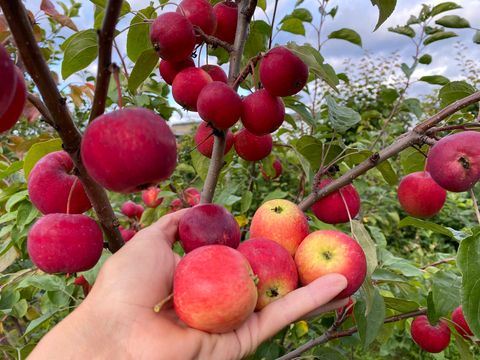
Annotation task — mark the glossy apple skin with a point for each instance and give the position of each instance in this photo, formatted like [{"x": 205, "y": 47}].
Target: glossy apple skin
[
  {"x": 172, "y": 36},
  {"x": 192, "y": 196},
  {"x": 187, "y": 86},
  {"x": 283, "y": 73},
  {"x": 199, "y": 13},
  {"x": 332, "y": 210},
  {"x": 214, "y": 289},
  {"x": 420, "y": 195},
  {"x": 460, "y": 323},
  {"x": 127, "y": 234},
  {"x": 251, "y": 147},
  {"x": 204, "y": 140},
  {"x": 150, "y": 197},
  {"x": 277, "y": 166},
  {"x": 65, "y": 243},
  {"x": 274, "y": 267},
  {"x": 227, "y": 17},
  {"x": 9, "y": 80},
  {"x": 50, "y": 183},
  {"x": 262, "y": 113},
  {"x": 330, "y": 251},
  {"x": 454, "y": 161},
  {"x": 208, "y": 224},
  {"x": 132, "y": 210},
  {"x": 220, "y": 105},
  {"x": 215, "y": 72},
  {"x": 431, "y": 338},
  {"x": 170, "y": 69},
  {"x": 281, "y": 221},
  {"x": 15, "y": 109},
  {"x": 129, "y": 149}
]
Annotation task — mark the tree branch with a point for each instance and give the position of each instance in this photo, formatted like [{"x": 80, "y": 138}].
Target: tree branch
[
  {"x": 332, "y": 334},
  {"x": 417, "y": 136},
  {"x": 105, "y": 43},
  {"x": 212, "y": 40},
  {"x": 246, "y": 8},
  {"x": 21, "y": 29}
]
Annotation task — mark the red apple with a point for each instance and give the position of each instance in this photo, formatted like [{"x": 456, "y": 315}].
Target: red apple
[
  {"x": 251, "y": 147},
  {"x": 277, "y": 166},
  {"x": 187, "y": 87},
  {"x": 51, "y": 184},
  {"x": 199, "y": 13},
  {"x": 214, "y": 289},
  {"x": 332, "y": 209},
  {"x": 274, "y": 267},
  {"x": 454, "y": 161},
  {"x": 150, "y": 197},
  {"x": 204, "y": 140},
  {"x": 460, "y": 323},
  {"x": 208, "y": 224},
  {"x": 431, "y": 338},
  {"x": 219, "y": 104},
  {"x": 420, "y": 195},
  {"x": 172, "y": 36},
  {"x": 227, "y": 16},
  {"x": 65, "y": 243},
  {"x": 15, "y": 109},
  {"x": 262, "y": 113},
  {"x": 347, "y": 309},
  {"x": 170, "y": 69},
  {"x": 331, "y": 251},
  {"x": 176, "y": 205},
  {"x": 129, "y": 150},
  {"x": 192, "y": 196},
  {"x": 127, "y": 234},
  {"x": 8, "y": 85},
  {"x": 132, "y": 210},
  {"x": 283, "y": 73},
  {"x": 216, "y": 73},
  {"x": 281, "y": 221}
]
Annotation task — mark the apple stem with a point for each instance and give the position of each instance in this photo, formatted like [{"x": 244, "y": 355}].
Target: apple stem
[
  {"x": 157, "y": 308},
  {"x": 70, "y": 194},
  {"x": 272, "y": 25},
  {"x": 475, "y": 205}
]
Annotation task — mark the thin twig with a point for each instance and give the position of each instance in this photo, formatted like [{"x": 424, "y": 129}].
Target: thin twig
[
  {"x": 273, "y": 24},
  {"x": 212, "y": 40},
  {"x": 247, "y": 70},
  {"x": 436, "y": 263}
]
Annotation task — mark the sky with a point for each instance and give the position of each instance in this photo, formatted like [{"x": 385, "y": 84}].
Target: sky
[{"x": 358, "y": 15}]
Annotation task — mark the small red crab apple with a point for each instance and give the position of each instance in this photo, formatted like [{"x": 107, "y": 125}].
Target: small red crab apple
[
  {"x": 132, "y": 210},
  {"x": 460, "y": 323},
  {"x": 251, "y": 147},
  {"x": 204, "y": 139},
  {"x": 262, "y": 113},
  {"x": 9, "y": 80},
  {"x": 170, "y": 69},
  {"x": 277, "y": 166},
  {"x": 150, "y": 197},
  {"x": 199, "y": 13},
  {"x": 187, "y": 86},
  {"x": 15, "y": 108},
  {"x": 215, "y": 72},
  {"x": 431, "y": 338},
  {"x": 192, "y": 196},
  {"x": 227, "y": 16}
]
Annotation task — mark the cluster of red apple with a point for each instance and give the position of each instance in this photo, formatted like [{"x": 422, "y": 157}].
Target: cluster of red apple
[
  {"x": 453, "y": 164},
  {"x": 220, "y": 282},
  {"x": 13, "y": 91},
  {"x": 435, "y": 338},
  {"x": 205, "y": 89}
]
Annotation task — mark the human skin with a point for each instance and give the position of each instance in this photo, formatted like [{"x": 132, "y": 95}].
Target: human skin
[{"x": 117, "y": 321}]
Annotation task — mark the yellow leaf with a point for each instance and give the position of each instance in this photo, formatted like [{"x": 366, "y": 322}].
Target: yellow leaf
[{"x": 241, "y": 220}]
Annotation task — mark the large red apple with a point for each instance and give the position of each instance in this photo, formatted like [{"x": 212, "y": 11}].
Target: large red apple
[
  {"x": 420, "y": 195},
  {"x": 199, "y": 13},
  {"x": 215, "y": 72},
  {"x": 51, "y": 184},
  {"x": 331, "y": 251},
  {"x": 208, "y": 224},
  {"x": 214, "y": 289},
  {"x": 8, "y": 85},
  {"x": 129, "y": 150},
  {"x": 15, "y": 109},
  {"x": 460, "y": 323},
  {"x": 150, "y": 197},
  {"x": 204, "y": 140},
  {"x": 220, "y": 105},
  {"x": 170, "y": 69},
  {"x": 65, "y": 243},
  {"x": 332, "y": 209},
  {"x": 283, "y": 73},
  {"x": 281, "y": 221},
  {"x": 227, "y": 16},
  {"x": 454, "y": 161},
  {"x": 187, "y": 86},
  {"x": 274, "y": 267},
  {"x": 431, "y": 338},
  {"x": 172, "y": 36},
  {"x": 251, "y": 147},
  {"x": 262, "y": 113}
]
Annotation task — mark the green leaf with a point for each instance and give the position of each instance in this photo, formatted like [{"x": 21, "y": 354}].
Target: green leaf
[
  {"x": 142, "y": 69},
  {"x": 463, "y": 347},
  {"x": 275, "y": 194},
  {"x": 313, "y": 150},
  {"x": 453, "y": 21},
  {"x": 423, "y": 224},
  {"x": 246, "y": 201},
  {"x": 441, "y": 35},
  {"x": 301, "y": 109},
  {"x": 401, "y": 305},
  {"x": 15, "y": 199},
  {"x": 293, "y": 25},
  {"x": 37, "y": 151},
  {"x": 442, "y": 7},
  {"x": 370, "y": 325},
  {"x": 347, "y": 35},
  {"x": 257, "y": 40},
  {"x": 138, "y": 38},
  {"x": 467, "y": 261},
  {"x": 262, "y": 4},
  {"x": 301, "y": 14},
  {"x": 363, "y": 238},
  {"x": 43, "y": 282},
  {"x": 39, "y": 321},
  {"x": 355, "y": 157},
  {"x": 453, "y": 91},
  {"x": 425, "y": 59},
  {"x": 476, "y": 37},
  {"x": 385, "y": 8},
  {"x": 342, "y": 118},
  {"x": 200, "y": 164},
  {"x": 326, "y": 353},
  {"x": 403, "y": 30},
  {"x": 11, "y": 169},
  {"x": 81, "y": 50},
  {"x": 413, "y": 160},
  {"x": 435, "y": 79},
  {"x": 103, "y": 4},
  {"x": 413, "y": 106},
  {"x": 445, "y": 292}
]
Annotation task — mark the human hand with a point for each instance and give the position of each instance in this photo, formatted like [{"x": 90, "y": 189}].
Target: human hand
[{"x": 117, "y": 321}]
